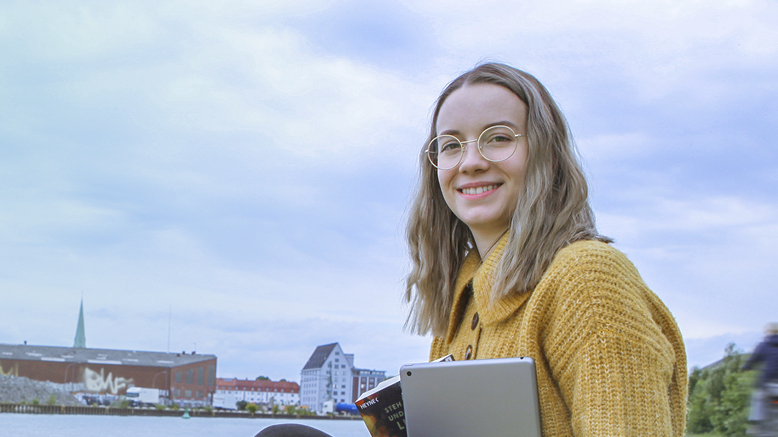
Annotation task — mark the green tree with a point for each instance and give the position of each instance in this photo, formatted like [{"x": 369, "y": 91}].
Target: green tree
[
  {"x": 719, "y": 395},
  {"x": 699, "y": 409},
  {"x": 52, "y": 399},
  {"x": 263, "y": 378},
  {"x": 252, "y": 408},
  {"x": 735, "y": 402}
]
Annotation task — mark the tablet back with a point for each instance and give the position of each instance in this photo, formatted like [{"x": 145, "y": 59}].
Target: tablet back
[{"x": 485, "y": 398}]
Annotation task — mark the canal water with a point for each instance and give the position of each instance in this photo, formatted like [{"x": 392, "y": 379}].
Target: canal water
[{"x": 55, "y": 425}]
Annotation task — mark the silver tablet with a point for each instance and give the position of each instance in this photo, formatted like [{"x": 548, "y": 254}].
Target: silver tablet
[{"x": 484, "y": 398}]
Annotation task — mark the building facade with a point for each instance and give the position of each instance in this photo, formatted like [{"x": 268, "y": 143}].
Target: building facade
[
  {"x": 330, "y": 375},
  {"x": 365, "y": 380},
  {"x": 187, "y": 379},
  {"x": 260, "y": 392}
]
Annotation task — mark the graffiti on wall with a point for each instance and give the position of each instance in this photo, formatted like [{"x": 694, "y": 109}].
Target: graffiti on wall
[
  {"x": 13, "y": 371},
  {"x": 102, "y": 383}
]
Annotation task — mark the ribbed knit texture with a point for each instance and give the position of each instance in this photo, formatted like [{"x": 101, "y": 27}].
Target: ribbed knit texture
[{"x": 609, "y": 356}]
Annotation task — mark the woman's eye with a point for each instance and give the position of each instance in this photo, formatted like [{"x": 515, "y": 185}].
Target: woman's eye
[
  {"x": 450, "y": 147},
  {"x": 499, "y": 139}
]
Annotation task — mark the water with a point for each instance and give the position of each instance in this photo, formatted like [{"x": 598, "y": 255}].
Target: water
[{"x": 44, "y": 425}]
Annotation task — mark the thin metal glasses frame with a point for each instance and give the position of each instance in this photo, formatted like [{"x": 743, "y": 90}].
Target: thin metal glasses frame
[{"x": 429, "y": 152}]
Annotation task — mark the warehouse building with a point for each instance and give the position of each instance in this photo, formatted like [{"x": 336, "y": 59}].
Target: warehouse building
[{"x": 187, "y": 379}]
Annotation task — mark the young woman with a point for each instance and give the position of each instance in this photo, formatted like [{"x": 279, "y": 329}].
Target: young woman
[{"x": 507, "y": 262}]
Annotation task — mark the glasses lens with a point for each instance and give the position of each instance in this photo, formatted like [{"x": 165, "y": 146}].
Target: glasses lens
[
  {"x": 445, "y": 152},
  {"x": 498, "y": 143}
]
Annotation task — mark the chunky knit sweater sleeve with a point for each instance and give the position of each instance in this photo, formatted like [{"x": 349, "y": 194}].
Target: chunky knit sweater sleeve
[{"x": 611, "y": 346}]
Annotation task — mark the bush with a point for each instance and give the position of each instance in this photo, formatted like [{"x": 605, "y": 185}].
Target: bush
[
  {"x": 52, "y": 399},
  {"x": 159, "y": 407},
  {"x": 36, "y": 401},
  {"x": 252, "y": 408},
  {"x": 719, "y": 397},
  {"x": 174, "y": 406},
  {"x": 299, "y": 411}
]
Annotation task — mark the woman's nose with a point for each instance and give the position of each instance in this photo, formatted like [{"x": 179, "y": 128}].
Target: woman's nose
[{"x": 472, "y": 160}]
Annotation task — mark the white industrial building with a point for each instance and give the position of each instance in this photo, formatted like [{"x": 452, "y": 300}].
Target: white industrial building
[{"x": 330, "y": 374}]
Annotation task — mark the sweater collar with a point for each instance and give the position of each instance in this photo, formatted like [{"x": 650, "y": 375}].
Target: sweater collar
[{"x": 482, "y": 276}]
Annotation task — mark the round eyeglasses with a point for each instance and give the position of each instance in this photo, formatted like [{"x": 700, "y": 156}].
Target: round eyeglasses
[{"x": 495, "y": 144}]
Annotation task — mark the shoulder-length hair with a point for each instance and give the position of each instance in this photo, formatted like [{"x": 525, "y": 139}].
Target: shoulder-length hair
[{"x": 552, "y": 211}]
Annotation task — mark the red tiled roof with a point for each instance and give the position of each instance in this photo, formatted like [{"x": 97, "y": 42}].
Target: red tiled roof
[{"x": 252, "y": 385}]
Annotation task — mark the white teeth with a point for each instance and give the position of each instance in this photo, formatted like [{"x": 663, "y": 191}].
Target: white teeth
[{"x": 478, "y": 190}]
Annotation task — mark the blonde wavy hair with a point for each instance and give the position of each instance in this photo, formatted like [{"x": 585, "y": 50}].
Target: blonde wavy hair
[{"x": 552, "y": 212}]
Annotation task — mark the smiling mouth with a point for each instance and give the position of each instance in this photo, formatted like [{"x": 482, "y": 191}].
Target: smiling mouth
[{"x": 479, "y": 190}]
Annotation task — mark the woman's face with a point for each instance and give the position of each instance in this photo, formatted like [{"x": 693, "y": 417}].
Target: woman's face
[{"x": 481, "y": 193}]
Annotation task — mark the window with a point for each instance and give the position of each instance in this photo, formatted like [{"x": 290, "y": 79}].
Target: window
[
  {"x": 199, "y": 394},
  {"x": 211, "y": 374},
  {"x": 188, "y": 394},
  {"x": 190, "y": 376},
  {"x": 177, "y": 376},
  {"x": 200, "y": 376}
]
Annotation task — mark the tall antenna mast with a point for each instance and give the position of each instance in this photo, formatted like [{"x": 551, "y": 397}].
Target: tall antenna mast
[{"x": 169, "y": 316}]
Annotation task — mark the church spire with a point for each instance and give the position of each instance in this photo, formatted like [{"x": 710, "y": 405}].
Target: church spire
[{"x": 80, "y": 333}]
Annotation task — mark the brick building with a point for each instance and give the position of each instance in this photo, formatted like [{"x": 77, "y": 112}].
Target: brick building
[{"x": 187, "y": 379}]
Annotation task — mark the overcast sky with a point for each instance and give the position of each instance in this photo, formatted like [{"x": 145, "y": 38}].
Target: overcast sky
[{"x": 233, "y": 177}]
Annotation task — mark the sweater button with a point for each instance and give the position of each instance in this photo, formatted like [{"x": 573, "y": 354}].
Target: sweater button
[
  {"x": 469, "y": 352},
  {"x": 474, "y": 323}
]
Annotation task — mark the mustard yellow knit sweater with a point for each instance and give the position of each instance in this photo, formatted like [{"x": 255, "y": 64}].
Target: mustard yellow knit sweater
[{"x": 609, "y": 356}]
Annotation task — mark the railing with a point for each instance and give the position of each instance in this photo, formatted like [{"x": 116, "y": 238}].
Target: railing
[{"x": 107, "y": 411}]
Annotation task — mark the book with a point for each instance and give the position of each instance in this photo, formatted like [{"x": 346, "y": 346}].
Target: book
[{"x": 382, "y": 407}]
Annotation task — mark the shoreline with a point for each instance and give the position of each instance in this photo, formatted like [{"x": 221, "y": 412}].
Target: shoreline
[{"x": 108, "y": 411}]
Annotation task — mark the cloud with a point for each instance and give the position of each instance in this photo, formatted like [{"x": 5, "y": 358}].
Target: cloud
[{"x": 249, "y": 164}]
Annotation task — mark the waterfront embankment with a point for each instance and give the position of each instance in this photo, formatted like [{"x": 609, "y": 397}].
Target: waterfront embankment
[{"x": 108, "y": 411}]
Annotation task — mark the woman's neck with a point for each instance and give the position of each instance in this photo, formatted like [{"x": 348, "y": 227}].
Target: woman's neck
[{"x": 485, "y": 241}]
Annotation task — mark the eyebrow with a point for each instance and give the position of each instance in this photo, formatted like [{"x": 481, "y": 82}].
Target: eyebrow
[{"x": 454, "y": 132}]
